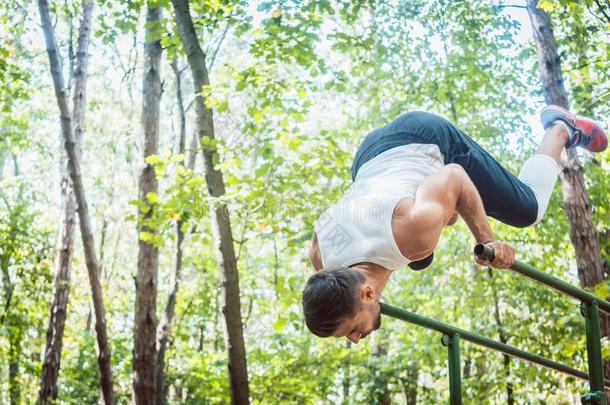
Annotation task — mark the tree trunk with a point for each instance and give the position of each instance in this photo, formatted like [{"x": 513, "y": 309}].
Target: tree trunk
[
  {"x": 575, "y": 197},
  {"x": 170, "y": 308},
  {"x": 381, "y": 394},
  {"x": 346, "y": 376},
  {"x": 14, "y": 374},
  {"x": 221, "y": 224},
  {"x": 14, "y": 339},
  {"x": 411, "y": 384},
  {"x": 83, "y": 210},
  {"x": 583, "y": 103},
  {"x": 192, "y": 156},
  {"x": 181, "y": 113},
  {"x": 145, "y": 351},
  {"x": 577, "y": 205},
  {"x": 58, "y": 312},
  {"x": 164, "y": 327}
]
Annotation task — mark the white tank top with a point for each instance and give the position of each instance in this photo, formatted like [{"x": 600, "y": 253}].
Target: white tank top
[{"x": 358, "y": 228}]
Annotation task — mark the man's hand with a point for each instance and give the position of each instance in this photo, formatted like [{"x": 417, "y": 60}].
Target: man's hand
[{"x": 504, "y": 255}]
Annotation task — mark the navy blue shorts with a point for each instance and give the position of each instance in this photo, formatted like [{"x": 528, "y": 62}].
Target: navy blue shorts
[{"x": 504, "y": 196}]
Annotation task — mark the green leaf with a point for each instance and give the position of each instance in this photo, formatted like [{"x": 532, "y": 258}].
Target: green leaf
[
  {"x": 602, "y": 290},
  {"x": 153, "y": 159},
  {"x": 152, "y": 197},
  {"x": 278, "y": 325},
  {"x": 142, "y": 206}
]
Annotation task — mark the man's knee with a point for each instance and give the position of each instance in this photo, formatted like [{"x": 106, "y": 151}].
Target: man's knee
[
  {"x": 516, "y": 212},
  {"x": 525, "y": 216}
]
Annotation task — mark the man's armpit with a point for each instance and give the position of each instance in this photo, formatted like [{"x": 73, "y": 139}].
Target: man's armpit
[{"x": 314, "y": 254}]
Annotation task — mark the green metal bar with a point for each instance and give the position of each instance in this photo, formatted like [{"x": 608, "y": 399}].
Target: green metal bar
[
  {"x": 452, "y": 342},
  {"x": 559, "y": 285},
  {"x": 486, "y": 252},
  {"x": 594, "y": 351},
  {"x": 433, "y": 324},
  {"x": 593, "y": 398}
]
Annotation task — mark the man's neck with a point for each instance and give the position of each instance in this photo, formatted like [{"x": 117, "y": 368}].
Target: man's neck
[{"x": 376, "y": 276}]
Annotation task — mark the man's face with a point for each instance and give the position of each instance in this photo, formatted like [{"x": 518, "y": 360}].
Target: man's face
[{"x": 362, "y": 324}]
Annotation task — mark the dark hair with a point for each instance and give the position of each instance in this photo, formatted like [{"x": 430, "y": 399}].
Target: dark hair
[{"x": 329, "y": 297}]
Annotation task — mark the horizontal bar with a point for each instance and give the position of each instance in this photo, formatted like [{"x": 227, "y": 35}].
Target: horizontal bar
[
  {"x": 486, "y": 252},
  {"x": 559, "y": 285},
  {"x": 438, "y": 326}
]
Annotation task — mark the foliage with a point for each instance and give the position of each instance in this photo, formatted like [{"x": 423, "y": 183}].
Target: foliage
[
  {"x": 295, "y": 85},
  {"x": 14, "y": 84},
  {"x": 25, "y": 264}
]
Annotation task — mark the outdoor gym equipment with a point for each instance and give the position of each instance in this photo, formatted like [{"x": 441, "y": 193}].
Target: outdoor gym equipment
[{"x": 589, "y": 308}]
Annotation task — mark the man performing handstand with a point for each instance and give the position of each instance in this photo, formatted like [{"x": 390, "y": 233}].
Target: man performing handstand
[{"x": 411, "y": 178}]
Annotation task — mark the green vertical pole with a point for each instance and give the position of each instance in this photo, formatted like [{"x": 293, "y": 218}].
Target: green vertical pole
[
  {"x": 452, "y": 341},
  {"x": 594, "y": 355}
]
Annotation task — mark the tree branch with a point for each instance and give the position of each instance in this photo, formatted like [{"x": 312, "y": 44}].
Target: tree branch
[{"x": 603, "y": 10}]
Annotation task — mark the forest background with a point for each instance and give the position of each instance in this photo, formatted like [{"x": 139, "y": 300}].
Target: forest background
[{"x": 205, "y": 165}]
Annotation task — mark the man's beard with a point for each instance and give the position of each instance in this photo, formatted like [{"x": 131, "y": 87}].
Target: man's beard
[{"x": 377, "y": 322}]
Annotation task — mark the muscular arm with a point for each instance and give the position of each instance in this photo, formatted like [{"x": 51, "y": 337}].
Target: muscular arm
[
  {"x": 437, "y": 198},
  {"x": 449, "y": 190},
  {"x": 463, "y": 197}
]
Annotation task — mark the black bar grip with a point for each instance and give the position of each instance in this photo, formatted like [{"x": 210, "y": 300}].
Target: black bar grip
[{"x": 484, "y": 252}]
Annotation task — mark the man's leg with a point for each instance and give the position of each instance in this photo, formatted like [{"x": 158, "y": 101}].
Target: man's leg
[
  {"x": 540, "y": 171},
  {"x": 583, "y": 131},
  {"x": 553, "y": 142},
  {"x": 516, "y": 201},
  {"x": 563, "y": 129},
  {"x": 504, "y": 196}
]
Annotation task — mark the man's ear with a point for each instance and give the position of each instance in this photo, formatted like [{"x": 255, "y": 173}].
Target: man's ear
[{"x": 366, "y": 293}]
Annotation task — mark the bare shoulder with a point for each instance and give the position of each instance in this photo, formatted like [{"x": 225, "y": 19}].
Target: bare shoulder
[
  {"x": 416, "y": 228},
  {"x": 314, "y": 253}
]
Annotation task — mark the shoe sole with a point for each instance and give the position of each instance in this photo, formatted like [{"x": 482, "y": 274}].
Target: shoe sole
[
  {"x": 562, "y": 113},
  {"x": 559, "y": 113}
]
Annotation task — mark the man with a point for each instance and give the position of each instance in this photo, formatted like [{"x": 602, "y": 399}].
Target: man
[{"x": 411, "y": 178}]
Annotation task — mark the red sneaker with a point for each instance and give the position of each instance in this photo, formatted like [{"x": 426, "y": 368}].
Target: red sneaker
[{"x": 585, "y": 132}]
